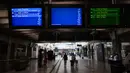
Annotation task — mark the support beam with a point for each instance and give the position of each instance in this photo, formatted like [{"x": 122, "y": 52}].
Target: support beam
[{"x": 122, "y": 30}]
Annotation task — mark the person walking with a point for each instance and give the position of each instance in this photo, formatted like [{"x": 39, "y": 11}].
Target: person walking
[
  {"x": 40, "y": 58},
  {"x": 73, "y": 60},
  {"x": 65, "y": 59}
]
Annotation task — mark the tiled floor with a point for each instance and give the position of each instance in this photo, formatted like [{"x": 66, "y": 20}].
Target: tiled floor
[
  {"x": 33, "y": 68},
  {"x": 84, "y": 66}
]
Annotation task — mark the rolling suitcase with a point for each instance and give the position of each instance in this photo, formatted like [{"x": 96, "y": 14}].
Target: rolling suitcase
[{"x": 72, "y": 62}]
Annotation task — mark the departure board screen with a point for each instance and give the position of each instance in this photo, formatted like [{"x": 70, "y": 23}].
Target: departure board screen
[
  {"x": 104, "y": 16},
  {"x": 66, "y": 16},
  {"x": 26, "y": 16}
]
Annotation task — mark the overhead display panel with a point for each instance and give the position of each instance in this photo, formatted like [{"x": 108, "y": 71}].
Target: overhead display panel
[
  {"x": 104, "y": 16},
  {"x": 66, "y": 16},
  {"x": 26, "y": 16}
]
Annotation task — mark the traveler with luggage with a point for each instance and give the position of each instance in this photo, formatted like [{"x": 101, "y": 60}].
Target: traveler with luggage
[
  {"x": 65, "y": 59},
  {"x": 73, "y": 60}
]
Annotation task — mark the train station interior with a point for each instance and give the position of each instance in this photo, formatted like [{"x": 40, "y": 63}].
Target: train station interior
[{"x": 64, "y": 36}]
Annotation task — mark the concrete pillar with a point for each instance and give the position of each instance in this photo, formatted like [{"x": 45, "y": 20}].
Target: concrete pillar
[
  {"x": 8, "y": 53},
  {"x": 89, "y": 51},
  {"x": 32, "y": 52},
  {"x": 29, "y": 51},
  {"x": 26, "y": 50},
  {"x": 116, "y": 44},
  {"x": 16, "y": 46}
]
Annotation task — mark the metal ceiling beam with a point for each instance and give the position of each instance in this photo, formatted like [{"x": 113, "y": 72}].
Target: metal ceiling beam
[
  {"x": 123, "y": 30},
  {"x": 67, "y": 2}
]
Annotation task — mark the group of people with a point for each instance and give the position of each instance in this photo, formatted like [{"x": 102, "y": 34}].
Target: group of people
[
  {"x": 45, "y": 55},
  {"x": 73, "y": 59},
  {"x": 49, "y": 55}
]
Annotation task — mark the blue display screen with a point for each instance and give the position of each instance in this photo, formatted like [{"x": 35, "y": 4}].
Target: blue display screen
[
  {"x": 66, "y": 16},
  {"x": 26, "y": 16}
]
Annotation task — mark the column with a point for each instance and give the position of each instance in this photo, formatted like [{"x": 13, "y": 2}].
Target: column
[
  {"x": 8, "y": 54},
  {"x": 116, "y": 44},
  {"x": 26, "y": 51},
  {"x": 89, "y": 51},
  {"x": 16, "y": 46}
]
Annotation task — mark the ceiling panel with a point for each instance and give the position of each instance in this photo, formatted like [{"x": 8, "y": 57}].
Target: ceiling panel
[
  {"x": 3, "y": 13},
  {"x": 123, "y": 1},
  {"x": 29, "y": 32},
  {"x": 47, "y": 36},
  {"x": 4, "y": 21}
]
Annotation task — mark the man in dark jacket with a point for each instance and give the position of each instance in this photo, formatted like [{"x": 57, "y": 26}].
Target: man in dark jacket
[{"x": 65, "y": 58}]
